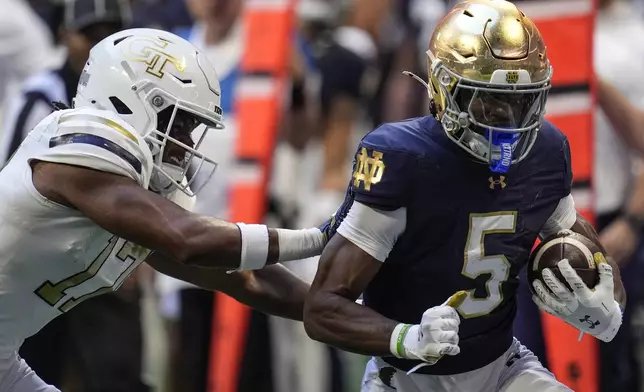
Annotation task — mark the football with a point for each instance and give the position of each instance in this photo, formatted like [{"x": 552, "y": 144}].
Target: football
[{"x": 566, "y": 244}]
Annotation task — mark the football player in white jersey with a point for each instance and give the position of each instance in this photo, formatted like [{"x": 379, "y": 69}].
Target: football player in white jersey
[{"x": 96, "y": 190}]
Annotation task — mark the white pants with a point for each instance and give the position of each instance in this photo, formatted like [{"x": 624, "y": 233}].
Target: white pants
[
  {"x": 17, "y": 376},
  {"x": 517, "y": 370}
]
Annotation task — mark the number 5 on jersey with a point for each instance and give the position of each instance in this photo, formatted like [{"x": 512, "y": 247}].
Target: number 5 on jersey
[{"x": 477, "y": 263}]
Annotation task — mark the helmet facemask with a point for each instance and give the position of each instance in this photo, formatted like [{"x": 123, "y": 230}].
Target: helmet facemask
[
  {"x": 496, "y": 122},
  {"x": 489, "y": 77},
  {"x": 174, "y": 148},
  {"x": 164, "y": 88}
]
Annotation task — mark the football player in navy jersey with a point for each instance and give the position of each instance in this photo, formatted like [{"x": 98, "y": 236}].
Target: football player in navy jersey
[{"x": 442, "y": 213}]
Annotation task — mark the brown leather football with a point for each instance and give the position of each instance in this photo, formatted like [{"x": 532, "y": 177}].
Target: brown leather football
[{"x": 578, "y": 249}]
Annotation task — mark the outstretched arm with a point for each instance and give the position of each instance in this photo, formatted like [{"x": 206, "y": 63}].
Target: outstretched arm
[
  {"x": 121, "y": 206},
  {"x": 273, "y": 290}
]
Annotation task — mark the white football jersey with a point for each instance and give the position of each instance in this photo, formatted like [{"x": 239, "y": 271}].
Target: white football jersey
[{"x": 53, "y": 257}]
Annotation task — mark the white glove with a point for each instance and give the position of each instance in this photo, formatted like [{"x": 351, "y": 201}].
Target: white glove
[
  {"x": 435, "y": 336},
  {"x": 592, "y": 311}
]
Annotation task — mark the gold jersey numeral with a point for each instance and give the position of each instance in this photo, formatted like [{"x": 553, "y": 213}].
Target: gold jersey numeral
[{"x": 53, "y": 293}]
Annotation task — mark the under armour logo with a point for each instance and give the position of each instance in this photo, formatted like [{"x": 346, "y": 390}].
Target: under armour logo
[
  {"x": 591, "y": 324},
  {"x": 368, "y": 169},
  {"x": 500, "y": 181},
  {"x": 386, "y": 375}
]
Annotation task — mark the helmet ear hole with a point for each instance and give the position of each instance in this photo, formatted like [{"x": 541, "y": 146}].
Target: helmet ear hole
[{"x": 120, "y": 106}]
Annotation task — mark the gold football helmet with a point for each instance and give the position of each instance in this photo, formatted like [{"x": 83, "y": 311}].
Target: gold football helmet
[{"x": 489, "y": 77}]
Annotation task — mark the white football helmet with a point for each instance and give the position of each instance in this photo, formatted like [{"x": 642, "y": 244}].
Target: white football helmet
[{"x": 164, "y": 87}]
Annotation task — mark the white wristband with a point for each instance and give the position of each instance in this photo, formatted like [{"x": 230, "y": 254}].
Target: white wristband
[
  {"x": 254, "y": 246},
  {"x": 299, "y": 244}
]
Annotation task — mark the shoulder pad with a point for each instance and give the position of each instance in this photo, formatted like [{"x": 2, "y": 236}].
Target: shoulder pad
[
  {"x": 551, "y": 133},
  {"x": 412, "y": 136},
  {"x": 100, "y": 140},
  {"x": 551, "y": 153}
]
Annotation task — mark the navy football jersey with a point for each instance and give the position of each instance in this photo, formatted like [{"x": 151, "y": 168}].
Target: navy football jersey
[{"x": 467, "y": 229}]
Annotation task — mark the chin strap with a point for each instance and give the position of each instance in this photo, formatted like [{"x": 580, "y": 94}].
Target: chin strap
[
  {"x": 418, "y": 78},
  {"x": 432, "y": 103}
]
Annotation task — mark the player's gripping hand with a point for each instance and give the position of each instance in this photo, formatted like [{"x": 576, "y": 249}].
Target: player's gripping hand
[
  {"x": 328, "y": 229},
  {"x": 435, "y": 336},
  {"x": 592, "y": 311}
]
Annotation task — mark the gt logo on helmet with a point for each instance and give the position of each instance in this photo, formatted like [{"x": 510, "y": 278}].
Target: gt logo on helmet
[{"x": 151, "y": 52}]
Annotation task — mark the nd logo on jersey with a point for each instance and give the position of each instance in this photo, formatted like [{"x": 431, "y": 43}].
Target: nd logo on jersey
[
  {"x": 369, "y": 169},
  {"x": 153, "y": 53}
]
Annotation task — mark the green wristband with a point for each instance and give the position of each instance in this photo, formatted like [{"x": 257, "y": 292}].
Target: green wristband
[{"x": 400, "y": 348}]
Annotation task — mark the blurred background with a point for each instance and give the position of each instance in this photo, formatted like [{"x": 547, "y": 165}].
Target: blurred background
[{"x": 302, "y": 81}]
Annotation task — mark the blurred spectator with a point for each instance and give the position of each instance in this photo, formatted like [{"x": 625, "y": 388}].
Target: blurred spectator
[
  {"x": 619, "y": 61},
  {"x": 349, "y": 79},
  {"x": 85, "y": 23},
  {"x": 160, "y": 14},
  {"x": 99, "y": 339},
  {"x": 619, "y": 189},
  {"x": 25, "y": 45},
  {"x": 350, "y": 62},
  {"x": 621, "y": 363},
  {"x": 298, "y": 153},
  {"x": 52, "y": 13},
  {"x": 335, "y": 68},
  {"x": 299, "y": 156},
  {"x": 404, "y": 97}
]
